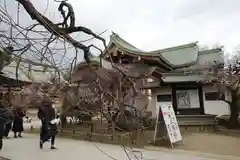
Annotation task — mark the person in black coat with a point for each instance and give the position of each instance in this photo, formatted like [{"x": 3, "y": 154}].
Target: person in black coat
[
  {"x": 1, "y": 132},
  {"x": 8, "y": 126},
  {"x": 4, "y": 118},
  {"x": 46, "y": 114},
  {"x": 2, "y": 125},
  {"x": 18, "y": 122}
]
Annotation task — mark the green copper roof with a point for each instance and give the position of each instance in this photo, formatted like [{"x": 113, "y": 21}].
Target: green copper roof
[
  {"x": 122, "y": 44},
  {"x": 176, "y": 56},
  {"x": 181, "y": 56}
]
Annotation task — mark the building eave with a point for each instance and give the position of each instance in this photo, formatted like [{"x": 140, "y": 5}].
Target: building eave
[
  {"x": 209, "y": 51},
  {"x": 192, "y": 44},
  {"x": 178, "y": 77}
]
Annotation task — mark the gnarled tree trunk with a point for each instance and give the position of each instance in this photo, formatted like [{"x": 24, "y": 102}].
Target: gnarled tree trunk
[{"x": 233, "y": 121}]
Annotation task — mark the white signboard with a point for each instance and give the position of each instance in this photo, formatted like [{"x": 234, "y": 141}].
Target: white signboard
[{"x": 171, "y": 123}]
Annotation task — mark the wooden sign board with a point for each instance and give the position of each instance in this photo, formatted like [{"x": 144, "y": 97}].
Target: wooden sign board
[{"x": 167, "y": 125}]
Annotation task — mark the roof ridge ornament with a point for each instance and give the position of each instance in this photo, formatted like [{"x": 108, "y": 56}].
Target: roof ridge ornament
[{"x": 115, "y": 34}]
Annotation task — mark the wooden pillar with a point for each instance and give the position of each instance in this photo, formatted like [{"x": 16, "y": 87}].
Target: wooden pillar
[
  {"x": 174, "y": 98},
  {"x": 1, "y": 81},
  {"x": 9, "y": 94},
  {"x": 201, "y": 102},
  {"x": 1, "y": 88}
]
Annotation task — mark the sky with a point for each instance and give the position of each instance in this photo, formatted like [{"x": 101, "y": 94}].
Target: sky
[{"x": 153, "y": 24}]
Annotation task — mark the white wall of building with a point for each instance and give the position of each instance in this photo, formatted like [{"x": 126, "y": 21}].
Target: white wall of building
[
  {"x": 216, "y": 107},
  {"x": 153, "y": 103}
]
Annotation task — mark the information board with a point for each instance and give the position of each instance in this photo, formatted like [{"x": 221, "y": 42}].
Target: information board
[{"x": 171, "y": 123}]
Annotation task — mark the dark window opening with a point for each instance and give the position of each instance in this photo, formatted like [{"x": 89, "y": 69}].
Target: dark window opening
[
  {"x": 115, "y": 59},
  {"x": 126, "y": 60},
  {"x": 164, "y": 98},
  {"x": 213, "y": 96}
]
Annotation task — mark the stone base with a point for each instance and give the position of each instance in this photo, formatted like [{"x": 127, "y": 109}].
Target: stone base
[{"x": 197, "y": 129}]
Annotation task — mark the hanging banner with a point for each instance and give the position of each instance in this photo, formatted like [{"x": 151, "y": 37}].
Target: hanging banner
[{"x": 171, "y": 123}]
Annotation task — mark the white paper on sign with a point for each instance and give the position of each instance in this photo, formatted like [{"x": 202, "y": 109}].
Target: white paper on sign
[{"x": 171, "y": 123}]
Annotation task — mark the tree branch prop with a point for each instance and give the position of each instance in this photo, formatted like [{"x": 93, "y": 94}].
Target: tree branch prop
[
  {"x": 222, "y": 97},
  {"x": 24, "y": 49},
  {"x": 70, "y": 14},
  {"x": 61, "y": 32},
  {"x": 119, "y": 80}
]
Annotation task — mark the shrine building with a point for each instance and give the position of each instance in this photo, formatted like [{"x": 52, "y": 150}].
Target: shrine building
[{"x": 179, "y": 71}]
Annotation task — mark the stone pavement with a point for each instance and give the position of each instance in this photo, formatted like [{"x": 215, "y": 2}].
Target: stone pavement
[{"x": 27, "y": 148}]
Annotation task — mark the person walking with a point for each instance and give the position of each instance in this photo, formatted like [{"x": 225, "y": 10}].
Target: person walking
[
  {"x": 8, "y": 127},
  {"x": 46, "y": 114},
  {"x": 1, "y": 133},
  {"x": 2, "y": 124},
  {"x": 4, "y": 118},
  {"x": 17, "y": 127}
]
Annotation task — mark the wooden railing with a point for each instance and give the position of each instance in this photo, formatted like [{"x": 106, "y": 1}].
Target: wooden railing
[{"x": 92, "y": 135}]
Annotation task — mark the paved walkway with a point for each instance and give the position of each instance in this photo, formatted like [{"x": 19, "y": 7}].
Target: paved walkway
[
  {"x": 27, "y": 149},
  {"x": 34, "y": 123}
]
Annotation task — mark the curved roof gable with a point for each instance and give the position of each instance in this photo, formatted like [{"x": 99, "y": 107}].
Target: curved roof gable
[
  {"x": 182, "y": 55},
  {"x": 121, "y": 43},
  {"x": 209, "y": 56}
]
